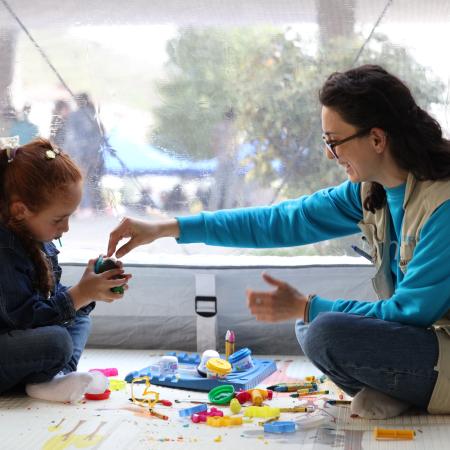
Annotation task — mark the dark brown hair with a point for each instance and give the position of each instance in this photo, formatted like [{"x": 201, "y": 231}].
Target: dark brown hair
[
  {"x": 368, "y": 97},
  {"x": 35, "y": 179}
]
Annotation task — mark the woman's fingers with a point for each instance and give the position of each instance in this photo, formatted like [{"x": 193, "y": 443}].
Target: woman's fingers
[
  {"x": 273, "y": 281},
  {"x": 122, "y": 231}
]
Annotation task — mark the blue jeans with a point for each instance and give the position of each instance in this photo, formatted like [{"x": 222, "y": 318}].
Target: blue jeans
[
  {"x": 38, "y": 354},
  {"x": 357, "y": 351}
]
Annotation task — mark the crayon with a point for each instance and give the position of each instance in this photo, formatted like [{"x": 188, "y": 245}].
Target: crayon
[
  {"x": 306, "y": 391},
  {"x": 339, "y": 402},
  {"x": 227, "y": 345},
  {"x": 158, "y": 415},
  {"x": 292, "y": 387},
  {"x": 296, "y": 409},
  {"x": 272, "y": 419},
  {"x": 298, "y": 394},
  {"x": 232, "y": 342}
]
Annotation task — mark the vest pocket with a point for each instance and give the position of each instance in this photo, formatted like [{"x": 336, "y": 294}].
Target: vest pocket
[
  {"x": 406, "y": 254},
  {"x": 370, "y": 236}
]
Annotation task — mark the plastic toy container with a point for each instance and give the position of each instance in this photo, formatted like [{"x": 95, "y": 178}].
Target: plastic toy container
[
  {"x": 241, "y": 360},
  {"x": 217, "y": 368},
  {"x": 206, "y": 356}
]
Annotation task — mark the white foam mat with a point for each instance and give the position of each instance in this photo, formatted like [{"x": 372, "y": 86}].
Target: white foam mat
[{"x": 117, "y": 424}]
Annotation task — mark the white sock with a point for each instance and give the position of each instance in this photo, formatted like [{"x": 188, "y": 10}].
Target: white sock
[
  {"x": 62, "y": 388},
  {"x": 371, "y": 404}
]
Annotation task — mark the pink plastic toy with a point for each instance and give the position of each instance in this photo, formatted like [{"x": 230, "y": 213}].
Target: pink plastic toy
[
  {"x": 202, "y": 416},
  {"x": 108, "y": 372}
]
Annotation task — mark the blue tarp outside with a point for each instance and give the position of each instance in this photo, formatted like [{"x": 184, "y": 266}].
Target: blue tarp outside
[{"x": 140, "y": 159}]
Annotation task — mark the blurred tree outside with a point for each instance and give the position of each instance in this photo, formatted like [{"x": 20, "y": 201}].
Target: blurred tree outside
[
  {"x": 259, "y": 87},
  {"x": 265, "y": 83}
]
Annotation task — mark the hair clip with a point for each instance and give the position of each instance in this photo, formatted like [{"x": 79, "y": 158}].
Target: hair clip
[
  {"x": 10, "y": 144},
  {"x": 51, "y": 154}
]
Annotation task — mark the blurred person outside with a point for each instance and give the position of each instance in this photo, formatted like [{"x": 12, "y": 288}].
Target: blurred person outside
[
  {"x": 83, "y": 141},
  {"x": 7, "y": 117},
  {"x": 175, "y": 199},
  {"x": 60, "y": 114},
  {"x": 23, "y": 128}
]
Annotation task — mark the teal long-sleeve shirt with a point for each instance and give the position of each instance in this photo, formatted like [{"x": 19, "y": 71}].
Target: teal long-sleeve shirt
[{"x": 420, "y": 298}]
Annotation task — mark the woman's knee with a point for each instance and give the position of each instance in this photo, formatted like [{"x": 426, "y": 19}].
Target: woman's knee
[
  {"x": 325, "y": 332},
  {"x": 300, "y": 332}
]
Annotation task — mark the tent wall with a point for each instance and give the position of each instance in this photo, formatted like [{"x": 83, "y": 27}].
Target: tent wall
[{"x": 157, "y": 311}]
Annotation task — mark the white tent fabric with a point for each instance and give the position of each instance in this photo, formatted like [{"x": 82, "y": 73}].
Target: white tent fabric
[{"x": 157, "y": 312}]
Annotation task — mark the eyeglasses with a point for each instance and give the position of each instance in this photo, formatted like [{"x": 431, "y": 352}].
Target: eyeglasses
[{"x": 330, "y": 145}]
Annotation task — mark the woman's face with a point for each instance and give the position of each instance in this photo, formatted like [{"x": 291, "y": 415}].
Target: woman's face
[{"x": 356, "y": 156}]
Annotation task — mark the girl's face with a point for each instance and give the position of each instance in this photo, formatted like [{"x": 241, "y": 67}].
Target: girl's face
[
  {"x": 53, "y": 221},
  {"x": 356, "y": 156}
]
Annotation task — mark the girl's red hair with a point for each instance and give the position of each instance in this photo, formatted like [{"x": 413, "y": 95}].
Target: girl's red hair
[{"x": 36, "y": 175}]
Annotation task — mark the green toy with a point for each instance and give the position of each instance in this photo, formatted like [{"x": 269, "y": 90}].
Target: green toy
[{"x": 104, "y": 264}]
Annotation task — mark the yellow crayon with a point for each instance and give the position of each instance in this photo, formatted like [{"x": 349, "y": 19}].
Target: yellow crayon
[
  {"x": 272, "y": 419},
  {"x": 387, "y": 434},
  {"x": 296, "y": 409},
  {"x": 227, "y": 345},
  {"x": 304, "y": 391},
  {"x": 302, "y": 394}
]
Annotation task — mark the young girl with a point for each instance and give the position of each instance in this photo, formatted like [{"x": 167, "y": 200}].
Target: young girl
[{"x": 43, "y": 324}]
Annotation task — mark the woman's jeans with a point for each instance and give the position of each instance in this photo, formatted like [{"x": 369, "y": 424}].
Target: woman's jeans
[
  {"x": 38, "y": 354},
  {"x": 357, "y": 351}
]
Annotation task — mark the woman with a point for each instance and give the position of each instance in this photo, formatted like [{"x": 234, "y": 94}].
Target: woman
[{"x": 389, "y": 354}]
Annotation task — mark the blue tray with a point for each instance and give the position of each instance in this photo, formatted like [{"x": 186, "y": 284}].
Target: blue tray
[{"x": 188, "y": 377}]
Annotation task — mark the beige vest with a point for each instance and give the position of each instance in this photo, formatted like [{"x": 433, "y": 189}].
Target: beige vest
[{"x": 422, "y": 198}]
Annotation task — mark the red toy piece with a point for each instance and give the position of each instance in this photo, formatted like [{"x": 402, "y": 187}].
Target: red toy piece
[
  {"x": 255, "y": 396},
  {"x": 103, "y": 396}
]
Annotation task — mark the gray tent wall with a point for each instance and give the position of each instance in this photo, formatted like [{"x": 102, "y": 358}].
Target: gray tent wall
[{"x": 157, "y": 311}]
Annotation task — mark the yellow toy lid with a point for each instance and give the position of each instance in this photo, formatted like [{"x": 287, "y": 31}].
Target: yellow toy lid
[{"x": 220, "y": 366}]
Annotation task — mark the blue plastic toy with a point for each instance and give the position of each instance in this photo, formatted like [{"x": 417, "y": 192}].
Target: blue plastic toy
[
  {"x": 187, "y": 412},
  {"x": 189, "y": 378},
  {"x": 280, "y": 427}
]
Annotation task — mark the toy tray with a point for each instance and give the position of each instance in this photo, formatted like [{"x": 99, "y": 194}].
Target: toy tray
[{"x": 189, "y": 378}]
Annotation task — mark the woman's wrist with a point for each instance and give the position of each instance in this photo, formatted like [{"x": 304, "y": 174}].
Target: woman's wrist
[
  {"x": 307, "y": 307},
  {"x": 170, "y": 228}
]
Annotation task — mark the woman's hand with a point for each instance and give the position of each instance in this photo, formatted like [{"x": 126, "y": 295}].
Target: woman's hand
[
  {"x": 97, "y": 286},
  {"x": 283, "y": 303},
  {"x": 140, "y": 232}
]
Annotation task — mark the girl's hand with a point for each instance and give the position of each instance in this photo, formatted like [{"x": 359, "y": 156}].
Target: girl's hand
[
  {"x": 283, "y": 303},
  {"x": 140, "y": 232},
  {"x": 97, "y": 286}
]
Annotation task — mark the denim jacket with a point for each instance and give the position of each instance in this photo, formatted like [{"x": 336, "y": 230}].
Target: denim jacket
[{"x": 22, "y": 306}]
